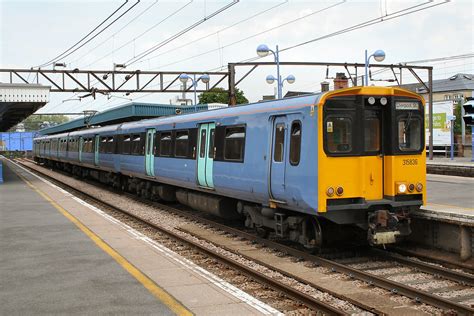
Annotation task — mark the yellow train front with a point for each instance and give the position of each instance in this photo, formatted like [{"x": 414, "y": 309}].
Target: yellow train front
[{"x": 371, "y": 159}]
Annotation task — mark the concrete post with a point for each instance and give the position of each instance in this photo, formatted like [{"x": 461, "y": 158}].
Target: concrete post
[{"x": 466, "y": 243}]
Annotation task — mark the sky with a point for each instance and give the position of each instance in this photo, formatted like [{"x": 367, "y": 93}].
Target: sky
[{"x": 34, "y": 32}]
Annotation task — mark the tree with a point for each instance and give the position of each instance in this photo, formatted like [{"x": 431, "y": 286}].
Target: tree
[
  {"x": 35, "y": 122},
  {"x": 219, "y": 95}
]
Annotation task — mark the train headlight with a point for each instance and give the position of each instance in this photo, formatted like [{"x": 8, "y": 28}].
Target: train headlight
[
  {"x": 339, "y": 191},
  {"x": 401, "y": 187},
  {"x": 371, "y": 100},
  {"x": 330, "y": 191},
  {"x": 411, "y": 187},
  {"x": 419, "y": 187},
  {"x": 383, "y": 101}
]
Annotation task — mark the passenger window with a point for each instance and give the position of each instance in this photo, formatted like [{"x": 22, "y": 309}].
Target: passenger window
[
  {"x": 279, "y": 142},
  {"x": 211, "y": 144},
  {"x": 110, "y": 145},
  {"x": 136, "y": 150},
  {"x": 339, "y": 134},
  {"x": 126, "y": 145},
  {"x": 372, "y": 135},
  {"x": 409, "y": 133},
  {"x": 165, "y": 144},
  {"x": 103, "y": 145},
  {"x": 234, "y": 143},
  {"x": 295, "y": 143},
  {"x": 202, "y": 144},
  {"x": 181, "y": 146}
]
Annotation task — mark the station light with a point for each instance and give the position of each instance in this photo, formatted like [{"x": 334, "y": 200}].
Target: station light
[
  {"x": 270, "y": 79},
  {"x": 263, "y": 50}
]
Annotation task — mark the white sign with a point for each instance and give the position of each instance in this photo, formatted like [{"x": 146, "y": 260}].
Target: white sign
[{"x": 441, "y": 125}]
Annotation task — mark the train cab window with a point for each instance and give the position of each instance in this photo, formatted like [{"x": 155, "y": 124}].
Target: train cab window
[
  {"x": 126, "y": 145},
  {"x": 409, "y": 133},
  {"x": 234, "y": 143},
  {"x": 295, "y": 143},
  {"x": 339, "y": 134},
  {"x": 182, "y": 144},
  {"x": 135, "y": 147},
  {"x": 279, "y": 146},
  {"x": 165, "y": 144}
]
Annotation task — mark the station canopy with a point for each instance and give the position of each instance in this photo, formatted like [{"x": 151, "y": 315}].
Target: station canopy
[
  {"x": 18, "y": 101},
  {"x": 133, "y": 111}
]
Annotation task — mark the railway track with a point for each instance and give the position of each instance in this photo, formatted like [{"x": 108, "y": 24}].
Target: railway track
[
  {"x": 299, "y": 296},
  {"x": 354, "y": 269}
]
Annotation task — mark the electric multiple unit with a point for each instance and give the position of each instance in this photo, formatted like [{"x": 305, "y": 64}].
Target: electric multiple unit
[{"x": 313, "y": 169}]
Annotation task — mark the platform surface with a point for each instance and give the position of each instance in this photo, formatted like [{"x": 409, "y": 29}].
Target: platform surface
[
  {"x": 450, "y": 199},
  {"x": 49, "y": 266}
]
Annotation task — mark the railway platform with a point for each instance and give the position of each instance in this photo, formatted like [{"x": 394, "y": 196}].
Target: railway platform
[
  {"x": 460, "y": 166},
  {"x": 447, "y": 220},
  {"x": 60, "y": 254}
]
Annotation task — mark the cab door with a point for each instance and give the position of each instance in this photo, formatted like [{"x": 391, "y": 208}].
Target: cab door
[
  {"x": 205, "y": 155},
  {"x": 149, "y": 152},
  {"x": 96, "y": 150},
  {"x": 372, "y": 161},
  {"x": 278, "y": 161}
]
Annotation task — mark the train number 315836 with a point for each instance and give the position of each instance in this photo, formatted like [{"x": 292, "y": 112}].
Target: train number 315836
[{"x": 410, "y": 162}]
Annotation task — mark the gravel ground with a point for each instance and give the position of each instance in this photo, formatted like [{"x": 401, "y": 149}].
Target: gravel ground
[{"x": 457, "y": 293}]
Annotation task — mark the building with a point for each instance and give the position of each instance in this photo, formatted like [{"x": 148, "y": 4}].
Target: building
[{"x": 454, "y": 88}]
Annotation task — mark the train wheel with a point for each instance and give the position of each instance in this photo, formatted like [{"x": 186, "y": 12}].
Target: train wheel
[{"x": 313, "y": 233}]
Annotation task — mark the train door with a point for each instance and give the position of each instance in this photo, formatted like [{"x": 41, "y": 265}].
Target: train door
[
  {"x": 278, "y": 161},
  {"x": 149, "y": 153},
  {"x": 96, "y": 149},
  {"x": 373, "y": 147},
  {"x": 205, "y": 155},
  {"x": 81, "y": 143}
]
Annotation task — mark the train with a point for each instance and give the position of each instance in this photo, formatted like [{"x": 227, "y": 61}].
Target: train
[{"x": 313, "y": 169}]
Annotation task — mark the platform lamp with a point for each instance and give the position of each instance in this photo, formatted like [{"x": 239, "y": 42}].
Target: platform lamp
[
  {"x": 204, "y": 78},
  {"x": 263, "y": 51},
  {"x": 290, "y": 79},
  {"x": 379, "y": 55}
]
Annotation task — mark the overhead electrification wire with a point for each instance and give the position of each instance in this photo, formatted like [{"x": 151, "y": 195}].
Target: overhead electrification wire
[
  {"x": 82, "y": 45},
  {"x": 257, "y": 34},
  {"x": 391, "y": 16},
  {"x": 117, "y": 32},
  {"x": 142, "y": 34},
  {"x": 145, "y": 53},
  {"x": 217, "y": 32},
  {"x": 82, "y": 39}
]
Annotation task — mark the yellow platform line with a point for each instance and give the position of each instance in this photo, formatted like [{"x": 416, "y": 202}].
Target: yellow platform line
[{"x": 149, "y": 284}]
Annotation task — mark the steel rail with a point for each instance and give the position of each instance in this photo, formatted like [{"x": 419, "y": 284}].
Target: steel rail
[
  {"x": 392, "y": 286},
  {"x": 303, "y": 298},
  {"x": 455, "y": 276}
]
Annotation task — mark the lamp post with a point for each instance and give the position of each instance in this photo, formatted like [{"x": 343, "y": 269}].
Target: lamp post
[
  {"x": 270, "y": 79},
  {"x": 204, "y": 78},
  {"x": 379, "y": 55},
  {"x": 262, "y": 51}
]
